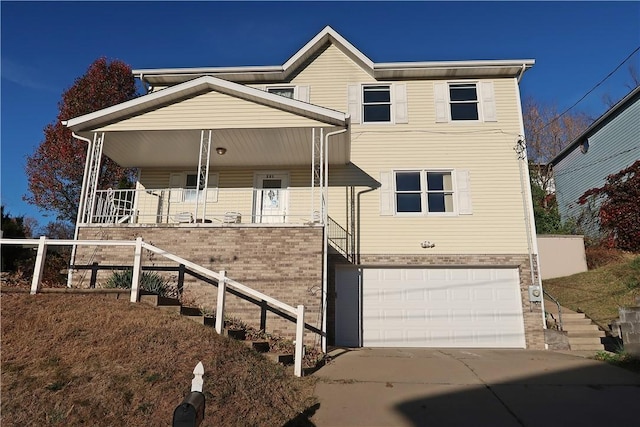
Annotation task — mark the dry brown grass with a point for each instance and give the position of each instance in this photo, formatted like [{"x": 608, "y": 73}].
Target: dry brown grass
[
  {"x": 599, "y": 292},
  {"x": 91, "y": 360}
]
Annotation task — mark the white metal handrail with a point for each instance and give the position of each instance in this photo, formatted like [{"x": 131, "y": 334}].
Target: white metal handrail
[
  {"x": 293, "y": 205},
  {"x": 138, "y": 244}
]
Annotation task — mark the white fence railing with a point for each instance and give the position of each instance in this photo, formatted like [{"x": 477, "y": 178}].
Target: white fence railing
[
  {"x": 139, "y": 245},
  {"x": 215, "y": 205}
]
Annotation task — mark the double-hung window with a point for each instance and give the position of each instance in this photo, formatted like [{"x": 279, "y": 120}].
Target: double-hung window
[
  {"x": 376, "y": 104},
  {"x": 463, "y": 99},
  {"x": 424, "y": 191},
  {"x": 461, "y": 102}
]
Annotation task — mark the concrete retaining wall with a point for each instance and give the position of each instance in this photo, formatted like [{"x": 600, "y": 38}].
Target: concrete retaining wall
[{"x": 561, "y": 255}]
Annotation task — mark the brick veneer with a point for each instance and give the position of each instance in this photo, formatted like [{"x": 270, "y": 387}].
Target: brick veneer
[
  {"x": 532, "y": 312},
  {"x": 282, "y": 262}
]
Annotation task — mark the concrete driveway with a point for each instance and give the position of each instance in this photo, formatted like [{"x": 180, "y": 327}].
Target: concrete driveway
[{"x": 476, "y": 387}]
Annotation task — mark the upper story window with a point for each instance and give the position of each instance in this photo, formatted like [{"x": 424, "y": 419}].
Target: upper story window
[
  {"x": 461, "y": 101},
  {"x": 376, "y": 104},
  {"x": 424, "y": 192},
  {"x": 463, "y": 98},
  {"x": 287, "y": 92}
]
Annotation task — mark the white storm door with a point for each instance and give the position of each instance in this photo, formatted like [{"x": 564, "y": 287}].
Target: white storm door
[{"x": 271, "y": 199}]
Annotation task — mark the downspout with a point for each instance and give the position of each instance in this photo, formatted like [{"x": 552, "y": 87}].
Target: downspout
[
  {"x": 80, "y": 205},
  {"x": 522, "y": 70},
  {"x": 325, "y": 257}
]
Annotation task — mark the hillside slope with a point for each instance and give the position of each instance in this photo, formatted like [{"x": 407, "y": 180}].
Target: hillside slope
[
  {"x": 599, "y": 292},
  {"x": 92, "y": 360}
]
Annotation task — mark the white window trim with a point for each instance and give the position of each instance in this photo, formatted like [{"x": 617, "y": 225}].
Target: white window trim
[
  {"x": 423, "y": 193},
  {"x": 482, "y": 102},
  {"x": 392, "y": 103},
  {"x": 276, "y": 86},
  {"x": 180, "y": 192}
]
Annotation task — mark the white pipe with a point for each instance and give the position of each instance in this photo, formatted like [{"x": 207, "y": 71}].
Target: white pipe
[
  {"x": 80, "y": 205},
  {"x": 325, "y": 258},
  {"x": 524, "y": 68}
]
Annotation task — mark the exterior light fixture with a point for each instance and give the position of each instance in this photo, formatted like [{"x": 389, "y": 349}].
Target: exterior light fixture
[{"x": 221, "y": 150}]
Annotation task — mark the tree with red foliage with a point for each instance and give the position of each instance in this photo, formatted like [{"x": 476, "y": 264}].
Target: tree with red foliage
[
  {"x": 620, "y": 210},
  {"x": 55, "y": 170}
]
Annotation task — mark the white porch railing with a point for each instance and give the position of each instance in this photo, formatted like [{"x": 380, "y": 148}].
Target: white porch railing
[
  {"x": 138, "y": 244},
  {"x": 215, "y": 205}
]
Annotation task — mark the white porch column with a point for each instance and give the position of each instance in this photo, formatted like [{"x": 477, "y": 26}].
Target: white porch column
[
  {"x": 92, "y": 177},
  {"x": 203, "y": 172}
]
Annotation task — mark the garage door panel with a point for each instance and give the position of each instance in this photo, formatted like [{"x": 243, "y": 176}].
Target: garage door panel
[{"x": 442, "y": 307}]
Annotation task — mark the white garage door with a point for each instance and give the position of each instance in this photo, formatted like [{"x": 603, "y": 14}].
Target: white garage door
[{"x": 431, "y": 307}]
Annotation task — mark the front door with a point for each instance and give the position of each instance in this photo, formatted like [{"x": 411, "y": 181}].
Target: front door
[{"x": 270, "y": 204}]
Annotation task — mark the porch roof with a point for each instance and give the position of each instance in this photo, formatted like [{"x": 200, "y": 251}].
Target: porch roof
[{"x": 162, "y": 129}]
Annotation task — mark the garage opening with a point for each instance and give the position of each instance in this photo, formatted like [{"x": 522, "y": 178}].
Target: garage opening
[{"x": 429, "y": 307}]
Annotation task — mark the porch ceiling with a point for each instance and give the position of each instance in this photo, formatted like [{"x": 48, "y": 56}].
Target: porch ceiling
[{"x": 245, "y": 147}]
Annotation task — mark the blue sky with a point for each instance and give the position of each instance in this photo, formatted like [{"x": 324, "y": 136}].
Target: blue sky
[{"x": 46, "y": 45}]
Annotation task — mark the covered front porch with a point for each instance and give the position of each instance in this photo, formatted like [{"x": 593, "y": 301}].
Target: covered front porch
[{"x": 212, "y": 152}]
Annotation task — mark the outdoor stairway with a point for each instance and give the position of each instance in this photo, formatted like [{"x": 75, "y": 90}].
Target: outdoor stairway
[
  {"x": 194, "y": 314},
  {"x": 581, "y": 332}
]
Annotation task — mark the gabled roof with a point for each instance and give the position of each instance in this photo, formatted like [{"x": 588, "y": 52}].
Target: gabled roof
[
  {"x": 631, "y": 97},
  {"x": 195, "y": 87},
  {"x": 393, "y": 70}
]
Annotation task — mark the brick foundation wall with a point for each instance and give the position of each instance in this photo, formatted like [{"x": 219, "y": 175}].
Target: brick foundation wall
[
  {"x": 532, "y": 312},
  {"x": 282, "y": 262}
]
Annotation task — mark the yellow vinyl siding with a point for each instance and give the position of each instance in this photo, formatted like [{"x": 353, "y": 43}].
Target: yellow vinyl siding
[
  {"x": 484, "y": 149},
  {"x": 212, "y": 110},
  {"x": 235, "y": 194},
  {"x": 328, "y": 76}
]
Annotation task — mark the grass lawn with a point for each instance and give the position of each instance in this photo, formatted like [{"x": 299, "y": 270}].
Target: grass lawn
[
  {"x": 599, "y": 292},
  {"x": 92, "y": 360}
]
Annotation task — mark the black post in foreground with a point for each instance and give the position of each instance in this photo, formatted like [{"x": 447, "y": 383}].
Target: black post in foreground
[{"x": 190, "y": 412}]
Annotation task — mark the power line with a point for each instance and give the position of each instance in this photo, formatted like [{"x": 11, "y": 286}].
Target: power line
[{"x": 592, "y": 89}]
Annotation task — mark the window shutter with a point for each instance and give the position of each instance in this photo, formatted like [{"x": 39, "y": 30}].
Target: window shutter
[
  {"x": 354, "y": 102},
  {"x": 212, "y": 188},
  {"x": 488, "y": 102},
  {"x": 440, "y": 95},
  {"x": 303, "y": 93},
  {"x": 176, "y": 181},
  {"x": 401, "y": 103},
  {"x": 464, "y": 192},
  {"x": 386, "y": 193}
]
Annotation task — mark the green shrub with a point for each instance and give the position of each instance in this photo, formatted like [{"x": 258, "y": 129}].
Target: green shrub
[{"x": 149, "y": 281}]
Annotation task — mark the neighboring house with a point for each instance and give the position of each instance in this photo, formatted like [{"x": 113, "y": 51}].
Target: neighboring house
[
  {"x": 385, "y": 197},
  {"x": 609, "y": 145}
]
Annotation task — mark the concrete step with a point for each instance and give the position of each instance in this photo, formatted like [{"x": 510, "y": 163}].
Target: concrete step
[
  {"x": 586, "y": 334},
  {"x": 580, "y": 327},
  {"x": 584, "y": 341},
  {"x": 573, "y": 316},
  {"x": 259, "y": 346},
  {"x": 285, "y": 359},
  {"x": 570, "y": 322},
  {"x": 190, "y": 311},
  {"x": 236, "y": 334},
  {"x": 158, "y": 301},
  {"x": 580, "y": 347},
  {"x": 202, "y": 320}
]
